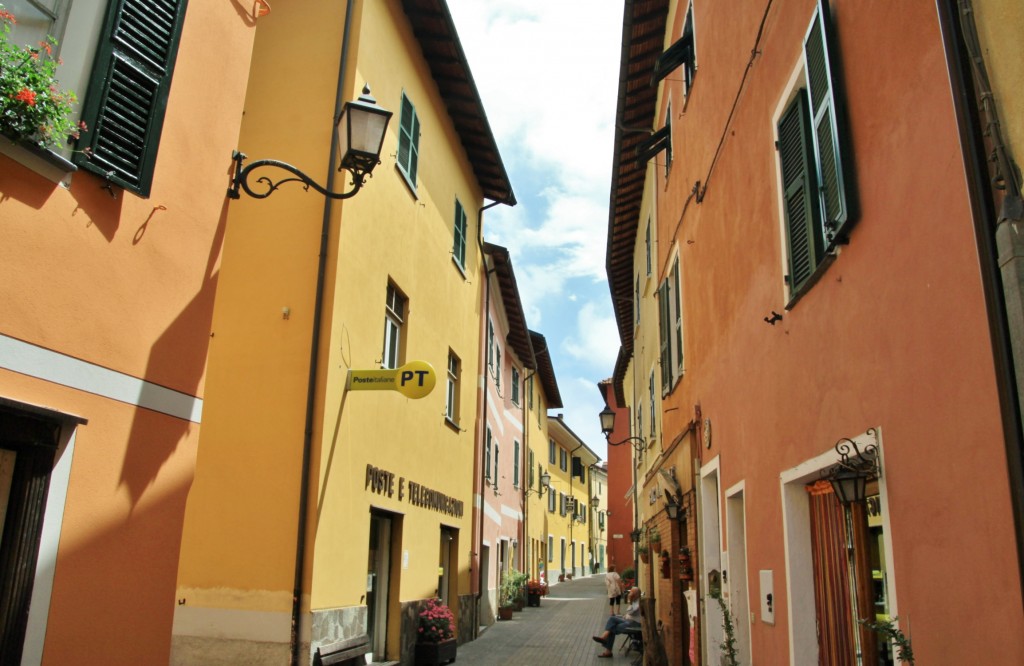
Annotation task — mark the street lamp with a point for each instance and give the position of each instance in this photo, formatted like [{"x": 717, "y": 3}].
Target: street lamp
[
  {"x": 607, "y": 417},
  {"x": 359, "y": 133},
  {"x": 545, "y": 484}
]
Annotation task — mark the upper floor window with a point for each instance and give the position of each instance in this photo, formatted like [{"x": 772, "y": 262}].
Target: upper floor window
[
  {"x": 551, "y": 451},
  {"x": 636, "y": 300},
  {"x": 653, "y": 401},
  {"x": 452, "y": 401},
  {"x": 529, "y": 392},
  {"x": 563, "y": 459},
  {"x": 394, "y": 323},
  {"x": 647, "y": 244},
  {"x": 515, "y": 463},
  {"x": 812, "y": 160},
  {"x": 119, "y": 60},
  {"x": 487, "y": 455},
  {"x": 682, "y": 53},
  {"x": 515, "y": 386},
  {"x": 408, "y": 142},
  {"x": 459, "y": 242},
  {"x": 670, "y": 323}
]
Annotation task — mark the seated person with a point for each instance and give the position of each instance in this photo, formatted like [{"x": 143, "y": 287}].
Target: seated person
[{"x": 618, "y": 624}]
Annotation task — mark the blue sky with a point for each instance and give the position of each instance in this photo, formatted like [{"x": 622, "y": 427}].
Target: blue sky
[{"x": 547, "y": 72}]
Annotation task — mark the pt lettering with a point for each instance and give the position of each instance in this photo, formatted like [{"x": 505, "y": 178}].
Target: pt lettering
[{"x": 407, "y": 376}]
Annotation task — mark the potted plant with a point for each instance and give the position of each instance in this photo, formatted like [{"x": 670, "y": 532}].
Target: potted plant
[
  {"x": 535, "y": 589},
  {"x": 507, "y": 591},
  {"x": 654, "y": 537},
  {"x": 435, "y": 643},
  {"x": 644, "y": 553},
  {"x": 33, "y": 110}
]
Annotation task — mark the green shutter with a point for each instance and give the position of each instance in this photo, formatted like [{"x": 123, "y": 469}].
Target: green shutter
[
  {"x": 459, "y": 242},
  {"x": 678, "y": 319},
  {"x": 664, "y": 330},
  {"x": 803, "y": 221},
  {"x": 833, "y": 175},
  {"x": 127, "y": 94},
  {"x": 408, "y": 140}
]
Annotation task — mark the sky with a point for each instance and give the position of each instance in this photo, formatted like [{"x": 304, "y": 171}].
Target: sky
[{"x": 547, "y": 72}]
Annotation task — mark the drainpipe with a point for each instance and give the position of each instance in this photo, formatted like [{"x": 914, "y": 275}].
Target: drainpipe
[
  {"x": 314, "y": 351},
  {"x": 987, "y": 224},
  {"x": 483, "y": 433},
  {"x": 524, "y": 496}
]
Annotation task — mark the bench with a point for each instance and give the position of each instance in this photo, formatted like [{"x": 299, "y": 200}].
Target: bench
[{"x": 350, "y": 652}]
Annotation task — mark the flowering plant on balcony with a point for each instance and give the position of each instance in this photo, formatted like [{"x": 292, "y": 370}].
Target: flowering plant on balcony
[
  {"x": 436, "y": 622},
  {"x": 536, "y": 587},
  {"x": 33, "y": 109}
]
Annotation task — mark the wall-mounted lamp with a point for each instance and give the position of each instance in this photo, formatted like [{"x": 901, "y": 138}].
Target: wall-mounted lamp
[
  {"x": 360, "y": 134},
  {"x": 607, "y": 416},
  {"x": 676, "y": 511},
  {"x": 595, "y": 502},
  {"x": 850, "y": 476},
  {"x": 545, "y": 485}
]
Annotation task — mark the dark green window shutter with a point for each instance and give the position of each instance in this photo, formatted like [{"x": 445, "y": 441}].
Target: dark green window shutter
[
  {"x": 803, "y": 218},
  {"x": 680, "y": 53},
  {"x": 408, "y": 140},
  {"x": 459, "y": 243},
  {"x": 664, "y": 330},
  {"x": 827, "y": 118},
  {"x": 127, "y": 94}
]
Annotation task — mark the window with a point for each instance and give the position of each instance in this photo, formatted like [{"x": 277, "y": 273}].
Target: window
[
  {"x": 490, "y": 343},
  {"x": 652, "y": 398},
  {"x": 551, "y": 548},
  {"x": 496, "y": 447},
  {"x": 127, "y": 93},
  {"x": 682, "y": 52},
  {"x": 636, "y": 300},
  {"x": 452, "y": 406},
  {"x": 459, "y": 242},
  {"x": 515, "y": 386},
  {"x": 551, "y": 501},
  {"x": 497, "y": 368},
  {"x": 816, "y": 204},
  {"x": 563, "y": 459},
  {"x": 394, "y": 322},
  {"x": 561, "y": 504},
  {"x": 551, "y": 451},
  {"x": 648, "y": 249},
  {"x": 529, "y": 392},
  {"x": 487, "y": 455},
  {"x": 37, "y": 20},
  {"x": 529, "y": 457},
  {"x": 670, "y": 328},
  {"x": 408, "y": 142},
  {"x": 515, "y": 463}
]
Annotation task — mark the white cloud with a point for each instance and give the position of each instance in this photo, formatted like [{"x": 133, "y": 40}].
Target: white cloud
[{"x": 597, "y": 339}]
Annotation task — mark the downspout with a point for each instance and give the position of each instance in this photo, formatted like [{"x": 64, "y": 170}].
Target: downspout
[
  {"x": 483, "y": 432},
  {"x": 314, "y": 351},
  {"x": 525, "y": 496},
  {"x": 986, "y": 226}
]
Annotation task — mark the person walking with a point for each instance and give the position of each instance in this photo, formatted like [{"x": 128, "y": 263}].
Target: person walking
[{"x": 614, "y": 584}]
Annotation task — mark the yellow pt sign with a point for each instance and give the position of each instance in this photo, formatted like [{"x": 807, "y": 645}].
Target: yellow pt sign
[{"x": 415, "y": 379}]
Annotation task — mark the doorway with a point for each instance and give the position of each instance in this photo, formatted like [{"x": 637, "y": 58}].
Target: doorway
[
  {"x": 28, "y": 447},
  {"x": 736, "y": 546},
  {"x": 447, "y": 558},
  {"x": 711, "y": 565},
  {"x": 378, "y": 582}
]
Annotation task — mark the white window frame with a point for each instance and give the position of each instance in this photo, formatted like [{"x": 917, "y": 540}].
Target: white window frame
[
  {"x": 394, "y": 324},
  {"x": 454, "y": 370}
]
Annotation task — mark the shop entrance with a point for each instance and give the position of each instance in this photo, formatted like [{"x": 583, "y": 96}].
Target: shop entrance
[{"x": 378, "y": 582}]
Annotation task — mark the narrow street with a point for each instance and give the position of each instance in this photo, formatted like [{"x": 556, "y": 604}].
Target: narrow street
[{"x": 558, "y": 632}]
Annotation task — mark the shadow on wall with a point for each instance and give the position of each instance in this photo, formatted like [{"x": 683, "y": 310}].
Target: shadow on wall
[{"x": 179, "y": 352}]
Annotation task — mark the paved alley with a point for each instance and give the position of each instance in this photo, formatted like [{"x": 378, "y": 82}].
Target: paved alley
[{"x": 558, "y": 632}]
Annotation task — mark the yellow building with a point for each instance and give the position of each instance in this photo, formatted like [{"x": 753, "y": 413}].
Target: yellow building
[
  {"x": 541, "y": 394},
  {"x": 568, "y": 536},
  {"x": 321, "y": 513}
]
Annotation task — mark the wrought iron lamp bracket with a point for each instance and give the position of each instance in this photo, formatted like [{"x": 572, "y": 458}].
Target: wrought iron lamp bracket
[
  {"x": 241, "y": 179},
  {"x": 852, "y": 458},
  {"x": 637, "y": 442}
]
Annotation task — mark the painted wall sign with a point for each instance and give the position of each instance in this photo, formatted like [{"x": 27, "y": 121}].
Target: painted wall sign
[
  {"x": 383, "y": 482},
  {"x": 415, "y": 379}
]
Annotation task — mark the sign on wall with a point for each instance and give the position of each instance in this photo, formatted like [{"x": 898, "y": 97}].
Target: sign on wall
[{"x": 415, "y": 379}]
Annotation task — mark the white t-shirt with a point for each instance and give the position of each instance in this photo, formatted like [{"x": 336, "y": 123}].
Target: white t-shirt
[{"x": 612, "y": 582}]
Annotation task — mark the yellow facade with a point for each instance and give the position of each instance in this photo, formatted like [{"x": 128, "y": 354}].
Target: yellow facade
[
  {"x": 568, "y": 524},
  {"x": 376, "y": 458}
]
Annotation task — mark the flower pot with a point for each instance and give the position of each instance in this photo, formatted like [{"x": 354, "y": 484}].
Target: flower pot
[
  {"x": 520, "y": 604},
  {"x": 432, "y": 654},
  {"x": 505, "y": 613},
  {"x": 533, "y": 599},
  {"x": 643, "y": 556}
]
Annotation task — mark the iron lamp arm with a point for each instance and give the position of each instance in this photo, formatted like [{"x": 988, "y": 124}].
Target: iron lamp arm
[
  {"x": 240, "y": 180},
  {"x": 637, "y": 442}
]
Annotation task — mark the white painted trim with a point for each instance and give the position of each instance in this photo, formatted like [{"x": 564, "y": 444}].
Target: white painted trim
[
  {"x": 796, "y": 527},
  {"x": 511, "y": 512},
  {"x": 491, "y": 513},
  {"x": 232, "y": 623},
  {"x": 47, "y": 365},
  {"x": 46, "y": 561}
]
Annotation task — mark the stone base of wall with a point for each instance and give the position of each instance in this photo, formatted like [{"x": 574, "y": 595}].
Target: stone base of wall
[{"x": 337, "y": 624}]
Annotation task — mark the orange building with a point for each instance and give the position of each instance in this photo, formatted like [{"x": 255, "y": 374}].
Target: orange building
[
  {"x": 801, "y": 259},
  {"x": 107, "y": 280}
]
